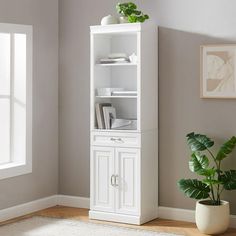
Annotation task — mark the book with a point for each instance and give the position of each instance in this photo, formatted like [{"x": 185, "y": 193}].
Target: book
[
  {"x": 114, "y": 60},
  {"x": 109, "y": 114},
  {"x": 117, "y": 55},
  {"x": 100, "y": 115},
  {"x": 124, "y": 93}
]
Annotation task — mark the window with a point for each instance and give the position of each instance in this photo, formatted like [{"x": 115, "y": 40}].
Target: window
[{"x": 15, "y": 100}]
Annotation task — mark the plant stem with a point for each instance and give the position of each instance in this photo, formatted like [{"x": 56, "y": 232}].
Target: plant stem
[
  {"x": 212, "y": 193},
  {"x": 218, "y": 185},
  {"x": 218, "y": 194},
  {"x": 213, "y": 197},
  {"x": 222, "y": 190},
  {"x": 213, "y": 158},
  {"x": 217, "y": 201},
  {"x": 210, "y": 197}
]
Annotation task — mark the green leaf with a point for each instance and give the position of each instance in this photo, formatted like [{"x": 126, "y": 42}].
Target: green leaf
[
  {"x": 194, "y": 188},
  {"x": 132, "y": 19},
  {"x": 137, "y": 12},
  {"x": 140, "y": 19},
  {"x": 211, "y": 181},
  {"x": 198, "y": 142},
  {"x": 207, "y": 172},
  {"x": 198, "y": 162},
  {"x": 132, "y": 6},
  {"x": 226, "y": 149},
  {"x": 228, "y": 179}
]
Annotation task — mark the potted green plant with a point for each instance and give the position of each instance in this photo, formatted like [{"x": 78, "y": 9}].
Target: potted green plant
[
  {"x": 212, "y": 213},
  {"x": 129, "y": 13}
]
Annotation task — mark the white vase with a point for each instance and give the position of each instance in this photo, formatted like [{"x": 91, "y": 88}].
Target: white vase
[
  {"x": 108, "y": 20},
  {"x": 123, "y": 20},
  {"x": 211, "y": 219}
]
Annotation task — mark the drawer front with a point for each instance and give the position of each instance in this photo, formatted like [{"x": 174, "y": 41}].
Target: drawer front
[{"x": 115, "y": 139}]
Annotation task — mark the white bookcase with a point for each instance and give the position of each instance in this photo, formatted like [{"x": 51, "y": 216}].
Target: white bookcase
[{"x": 124, "y": 163}]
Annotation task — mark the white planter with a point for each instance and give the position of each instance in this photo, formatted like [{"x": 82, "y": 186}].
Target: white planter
[
  {"x": 109, "y": 20},
  {"x": 212, "y": 219},
  {"x": 123, "y": 20}
]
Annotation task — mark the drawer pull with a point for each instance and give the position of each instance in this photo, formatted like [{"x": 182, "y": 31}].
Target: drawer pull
[{"x": 119, "y": 140}]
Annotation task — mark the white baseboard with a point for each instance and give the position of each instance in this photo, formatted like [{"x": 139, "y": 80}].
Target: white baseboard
[
  {"x": 71, "y": 201},
  {"x": 27, "y": 208},
  {"x": 233, "y": 221},
  {"x": 43, "y": 203},
  {"x": 184, "y": 215},
  {"x": 81, "y": 202},
  {"x": 176, "y": 214}
]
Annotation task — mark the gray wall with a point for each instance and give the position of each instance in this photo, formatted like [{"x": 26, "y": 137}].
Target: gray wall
[
  {"x": 180, "y": 108},
  {"x": 182, "y": 111},
  {"x": 43, "y": 15}
]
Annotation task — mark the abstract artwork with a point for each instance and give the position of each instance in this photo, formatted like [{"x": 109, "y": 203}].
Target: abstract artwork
[{"x": 218, "y": 71}]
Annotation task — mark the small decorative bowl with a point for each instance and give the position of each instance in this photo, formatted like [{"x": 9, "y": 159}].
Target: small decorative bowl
[{"x": 108, "y": 20}]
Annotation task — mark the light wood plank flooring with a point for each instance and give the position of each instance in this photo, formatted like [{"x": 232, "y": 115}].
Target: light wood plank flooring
[{"x": 185, "y": 228}]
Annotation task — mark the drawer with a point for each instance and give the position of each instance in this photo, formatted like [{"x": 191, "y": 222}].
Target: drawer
[{"x": 115, "y": 139}]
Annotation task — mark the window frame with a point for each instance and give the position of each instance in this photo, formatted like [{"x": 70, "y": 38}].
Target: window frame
[{"x": 16, "y": 168}]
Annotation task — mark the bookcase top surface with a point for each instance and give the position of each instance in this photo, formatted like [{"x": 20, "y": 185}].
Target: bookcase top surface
[{"x": 120, "y": 28}]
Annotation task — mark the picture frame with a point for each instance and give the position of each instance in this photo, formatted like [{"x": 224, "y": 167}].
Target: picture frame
[{"x": 218, "y": 71}]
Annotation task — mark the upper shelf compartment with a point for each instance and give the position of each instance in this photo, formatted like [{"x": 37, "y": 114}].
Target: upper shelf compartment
[{"x": 107, "y": 44}]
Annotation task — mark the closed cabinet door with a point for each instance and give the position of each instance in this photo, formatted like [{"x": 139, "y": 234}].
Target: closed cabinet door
[
  {"x": 102, "y": 179},
  {"x": 127, "y": 181}
]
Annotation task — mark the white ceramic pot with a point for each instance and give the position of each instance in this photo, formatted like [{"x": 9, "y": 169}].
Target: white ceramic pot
[
  {"x": 123, "y": 20},
  {"x": 108, "y": 20},
  {"x": 212, "y": 219}
]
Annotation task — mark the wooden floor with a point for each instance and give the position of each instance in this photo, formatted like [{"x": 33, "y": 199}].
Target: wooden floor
[{"x": 170, "y": 226}]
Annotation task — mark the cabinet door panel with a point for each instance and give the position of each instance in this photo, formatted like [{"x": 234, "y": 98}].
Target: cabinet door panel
[
  {"x": 128, "y": 181},
  {"x": 102, "y": 168}
]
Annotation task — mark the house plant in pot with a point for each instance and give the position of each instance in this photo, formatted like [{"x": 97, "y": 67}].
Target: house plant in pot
[
  {"x": 129, "y": 13},
  {"x": 212, "y": 213}
]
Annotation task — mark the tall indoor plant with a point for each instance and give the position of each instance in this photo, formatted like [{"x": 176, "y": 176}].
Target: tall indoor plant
[{"x": 212, "y": 213}]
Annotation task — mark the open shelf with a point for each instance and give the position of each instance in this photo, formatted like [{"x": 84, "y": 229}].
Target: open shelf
[
  {"x": 116, "y": 130},
  {"x": 120, "y": 74},
  {"x": 116, "y": 64}
]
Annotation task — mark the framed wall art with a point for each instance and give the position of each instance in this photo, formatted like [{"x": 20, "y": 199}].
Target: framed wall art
[{"x": 218, "y": 71}]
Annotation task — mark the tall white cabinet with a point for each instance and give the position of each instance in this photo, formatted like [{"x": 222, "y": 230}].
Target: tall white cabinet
[{"x": 124, "y": 162}]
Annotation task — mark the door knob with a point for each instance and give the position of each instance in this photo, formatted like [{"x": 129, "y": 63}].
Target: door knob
[{"x": 113, "y": 180}]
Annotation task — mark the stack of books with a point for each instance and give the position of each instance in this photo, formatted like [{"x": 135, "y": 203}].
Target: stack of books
[
  {"x": 106, "y": 118},
  {"x": 124, "y": 93},
  {"x": 115, "y": 58}
]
